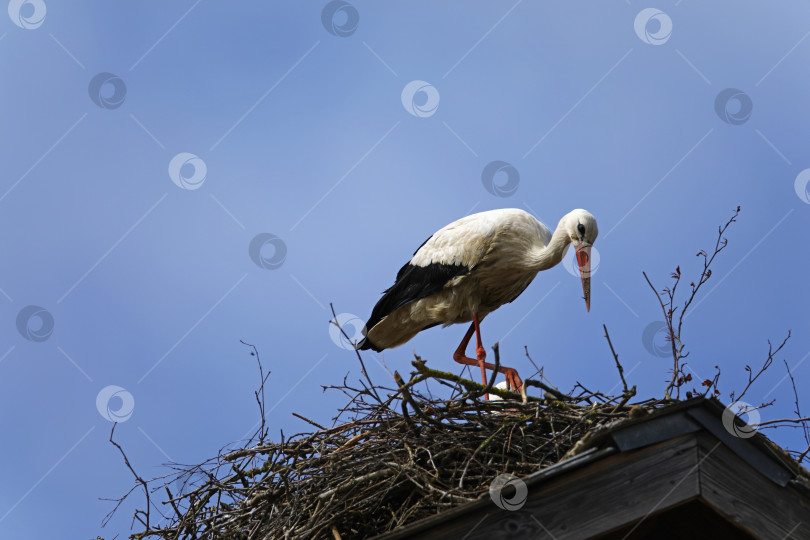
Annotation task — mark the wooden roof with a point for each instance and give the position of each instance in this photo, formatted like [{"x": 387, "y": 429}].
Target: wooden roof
[{"x": 676, "y": 473}]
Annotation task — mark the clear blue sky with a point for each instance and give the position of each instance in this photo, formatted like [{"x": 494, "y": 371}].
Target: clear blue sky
[{"x": 300, "y": 132}]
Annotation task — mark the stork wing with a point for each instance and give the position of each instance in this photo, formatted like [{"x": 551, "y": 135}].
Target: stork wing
[
  {"x": 451, "y": 252},
  {"x": 461, "y": 243}
]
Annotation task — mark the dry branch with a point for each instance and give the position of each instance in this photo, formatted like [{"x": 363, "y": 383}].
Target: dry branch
[{"x": 670, "y": 308}]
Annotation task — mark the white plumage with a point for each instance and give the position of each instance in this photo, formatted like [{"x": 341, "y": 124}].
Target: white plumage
[{"x": 471, "y": 267}]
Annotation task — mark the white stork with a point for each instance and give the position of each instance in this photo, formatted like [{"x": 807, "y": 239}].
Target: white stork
[{"x": 470, "y": 268}]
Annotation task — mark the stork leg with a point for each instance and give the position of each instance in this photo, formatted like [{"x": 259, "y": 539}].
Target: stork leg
[{"x": 512, "y": 378}]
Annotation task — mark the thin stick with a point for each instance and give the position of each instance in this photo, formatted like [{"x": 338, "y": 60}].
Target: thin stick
[
  {"x": 782, "y": 421},
  {"x": 556, "y": 394},
  {"x": 308, "y": 421},
  {"x": 360, "y": 358},
  {"x": 496, "y": 364},
  {"x": 407, "y": 396},
  {"x": 765, "y": 365},
  {"x": 796, "y": 401},
  {"x": 669, "y": 308},
  {"x": 804, "y": 454},
  {"x": 137, "y": 478},
  {"x": 668, "y": 320},
  {"x": 616, "y": 357},
  {"x": 262, "y": 431}
]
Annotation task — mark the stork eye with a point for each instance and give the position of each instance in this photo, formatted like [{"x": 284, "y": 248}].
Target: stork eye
[{"x": 581, "y": 229}]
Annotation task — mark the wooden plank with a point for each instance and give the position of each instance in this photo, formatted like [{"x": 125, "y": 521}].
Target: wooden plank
[
  {"x": 654, "y": 431},
  {"x": 747, "y": 498},
  {"x": 755, "y": 451},
  {"x": 610, "y": 493}
]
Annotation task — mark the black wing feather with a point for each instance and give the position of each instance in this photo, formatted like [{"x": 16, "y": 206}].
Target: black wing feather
[{"x": 413, "y": 283}]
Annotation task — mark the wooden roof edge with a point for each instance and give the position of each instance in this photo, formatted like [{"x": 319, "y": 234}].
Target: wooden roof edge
[
  {"x": 692, "y": 415},
  {"x": 680, "y": 418}
]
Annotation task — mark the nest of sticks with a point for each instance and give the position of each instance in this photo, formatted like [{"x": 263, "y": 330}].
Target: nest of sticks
[{"x": 395, "y": 455}]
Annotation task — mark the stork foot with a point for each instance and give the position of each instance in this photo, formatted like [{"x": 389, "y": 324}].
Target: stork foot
[{"x": 512, "y": 379}]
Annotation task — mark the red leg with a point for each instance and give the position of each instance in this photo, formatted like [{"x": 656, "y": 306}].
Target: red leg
[
  {"x": 459, "y": 355},
  {"x": 512, "y": 378},
  {"x": 480, "y": 352}
]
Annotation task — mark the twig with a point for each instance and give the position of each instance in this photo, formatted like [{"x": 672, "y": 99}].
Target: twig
[
  {"x": 796, "y": 401},
  {"x": 308, "y": 421},
  {"x": 137, "y": 478},
  {"x": 556, "y": 394},
  {"x": 536, "y": 368},
  {"x": 765, "y": 365},
  {"x": 407, "y": 396},
  {"x": 712, "y": 383},
  {"x": 347, "y": 486},
  {"x": 262, "y": 431},
  {"x": 616, "y": 358},
  {"x": 671, "y": 331},
  {"x": 628, "y": 394},
  {"x": 356, "y": 352},
  {"x": 497, "y": 353},
  {"x": 800, "y": 421},
  {"x": 669, "y": 309},
  {"x": 719, "y": 246},
  {"x": 804, "y": 454}
]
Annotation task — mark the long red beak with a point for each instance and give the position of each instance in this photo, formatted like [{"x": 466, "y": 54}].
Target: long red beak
[{"x": 584, "y": 261}]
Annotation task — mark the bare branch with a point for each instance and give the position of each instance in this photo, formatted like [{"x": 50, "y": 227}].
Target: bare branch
[
  {"x": 671, "y": 309},
  {"x": 800, "y": 421},
  {"x": 334, "y": 321},
  {"x": 798, "y": 411},
  {"x": 616, "y": 358},
  {"x": 140, "y": 480},
  {"x": 765, "y": 365},
  {"x": 259, "y": 394}
]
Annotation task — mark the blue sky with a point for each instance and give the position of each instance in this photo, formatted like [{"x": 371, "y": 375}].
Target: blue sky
[{"x": 298, "y": 132}]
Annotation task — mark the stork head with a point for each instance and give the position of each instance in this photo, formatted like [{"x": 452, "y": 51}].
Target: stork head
[{"x": 582, "y": 230}]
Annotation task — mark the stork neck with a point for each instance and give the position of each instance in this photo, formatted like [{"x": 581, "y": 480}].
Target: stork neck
[{"x": 550, "y": 255}]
